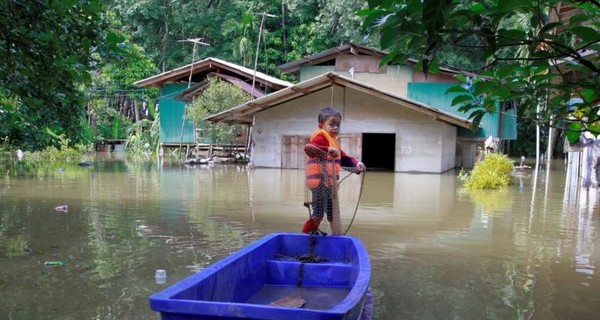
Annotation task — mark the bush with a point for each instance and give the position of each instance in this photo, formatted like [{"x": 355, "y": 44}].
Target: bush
[
  {"x": 494, "y": 172},
  {"x": 64, "y": 153}
]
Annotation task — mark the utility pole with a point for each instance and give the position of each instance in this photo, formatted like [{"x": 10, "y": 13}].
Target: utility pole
[
  {"x": 262, "y": 23},
  {"x": 196, "y": 42}
]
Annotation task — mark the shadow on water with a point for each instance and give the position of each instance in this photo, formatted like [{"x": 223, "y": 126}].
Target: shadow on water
[{"x": 438, "y": 251}]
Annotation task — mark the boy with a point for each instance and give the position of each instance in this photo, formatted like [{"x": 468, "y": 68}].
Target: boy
[{"x": 325, "y": 157}]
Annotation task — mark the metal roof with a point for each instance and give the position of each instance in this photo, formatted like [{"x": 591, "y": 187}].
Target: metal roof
[
  {"x": 190, "y": 94},
  {"x": 207, "y": 65},
  {"x": 330, "y": 54},
  {"x": 245, "y": 112}
]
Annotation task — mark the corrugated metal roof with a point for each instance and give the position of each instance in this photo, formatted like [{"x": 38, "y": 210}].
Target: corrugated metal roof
[
  {"x": 183, "y": 73},
  {"x": 244, "y": 113}
]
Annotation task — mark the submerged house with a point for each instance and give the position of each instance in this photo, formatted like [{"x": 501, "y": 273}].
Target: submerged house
[
  {"x": 393, "y": 117},
  {"x": 181, "y": 85}
]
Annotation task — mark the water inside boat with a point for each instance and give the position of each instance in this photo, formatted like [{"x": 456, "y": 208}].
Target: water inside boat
[{"x": 318, "y": 298}]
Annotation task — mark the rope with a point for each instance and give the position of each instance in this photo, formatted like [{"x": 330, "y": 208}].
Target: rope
[{"x": 362, "y": 183}]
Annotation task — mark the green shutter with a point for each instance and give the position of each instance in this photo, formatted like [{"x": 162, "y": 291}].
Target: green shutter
[{"x": 173, "y": 127}]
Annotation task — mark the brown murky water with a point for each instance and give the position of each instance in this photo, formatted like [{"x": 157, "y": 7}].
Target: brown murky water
[{"x": 437, "y": 251}]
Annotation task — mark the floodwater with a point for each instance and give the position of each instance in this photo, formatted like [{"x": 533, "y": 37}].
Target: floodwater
[{"x": 437, "y": 250}]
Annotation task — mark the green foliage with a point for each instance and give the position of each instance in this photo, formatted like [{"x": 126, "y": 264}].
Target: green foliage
[
  {"x": 217, "y": 97},
  {"x": 86, "y": 135},
  {"x": 231, "y": 28},
  {"x": 494, "y": 172},
  {"x": 528, "y": 57},
  {"x": 109, "y": 123},
  {"x": 13, "y": 246},
  {"x": 12, "y": 118},
  {"x": 113, "y": 100},
  {"x": 143, "y": 138},
  {"x": 463, "y": 175},
  {"x": 47, "y": 49},
  {"x": 122, "y": 70},
  {"x": 244, "y": 31},
  {"x": 64, "y": 153}
]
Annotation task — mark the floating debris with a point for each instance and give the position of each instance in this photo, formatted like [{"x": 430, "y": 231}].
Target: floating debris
[
  {"x": 56, "y": 263},
  {"x": 160, "y": 276},
  {"x": 62, "y": 208}
]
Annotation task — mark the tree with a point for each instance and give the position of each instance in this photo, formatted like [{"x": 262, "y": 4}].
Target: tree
[
  {"x": 242, "y": 29},
  {"x": 47, "y": 49},
  {"x": 218, "y": 96},
  {"x": 114, "y": 103},
  {"x": 555, "y": 82},
  {"x": 300, "y": 28}
]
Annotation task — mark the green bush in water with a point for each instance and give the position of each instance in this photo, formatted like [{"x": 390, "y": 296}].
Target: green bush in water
[
  {"x": 64, "y": 153},
  {"x": 494, "y": 172}
]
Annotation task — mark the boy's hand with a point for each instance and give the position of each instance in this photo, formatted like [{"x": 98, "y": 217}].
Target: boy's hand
[
  {"x": 333, "y": 152},
  {"x": 360, "y": 167}
]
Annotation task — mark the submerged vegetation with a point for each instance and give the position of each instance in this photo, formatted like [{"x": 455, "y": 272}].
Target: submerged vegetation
[
  {"x": 143, "y": 138},
  {"x": 64, "y": 153},
  {"x": 43, "y": 162},
  {"x": 494, "y": 172}
]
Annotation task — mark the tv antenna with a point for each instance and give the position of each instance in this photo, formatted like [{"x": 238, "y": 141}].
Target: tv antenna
[
  {"x": 262, "y": 24},
  {"x": 196, "y": 42}
]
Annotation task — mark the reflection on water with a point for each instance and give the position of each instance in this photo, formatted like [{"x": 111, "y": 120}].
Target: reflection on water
[{"x": 437, "y": 250}]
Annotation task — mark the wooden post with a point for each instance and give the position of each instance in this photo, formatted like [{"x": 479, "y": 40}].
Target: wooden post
[{"x": 336, "y": 220}]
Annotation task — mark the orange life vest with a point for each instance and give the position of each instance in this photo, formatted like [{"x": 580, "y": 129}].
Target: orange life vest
[{"x": 323, "y": 169}]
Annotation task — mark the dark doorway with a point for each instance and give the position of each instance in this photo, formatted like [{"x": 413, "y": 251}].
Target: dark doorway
[{"x": 379, "y": 151}]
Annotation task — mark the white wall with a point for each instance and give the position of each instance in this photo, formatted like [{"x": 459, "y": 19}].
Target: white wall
[{"x": 422, "y": 143}]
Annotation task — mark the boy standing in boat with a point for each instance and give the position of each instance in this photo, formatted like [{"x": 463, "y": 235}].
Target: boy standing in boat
[{"x": 325, "y": 158}]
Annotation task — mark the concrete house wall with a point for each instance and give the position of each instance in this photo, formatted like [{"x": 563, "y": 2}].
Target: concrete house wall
[
  {"x": 430, "y": 90},
  {"x": 392, "y": 108},
  {"x": 422, "y": 143},
  {"x": 393, "y": 79}
]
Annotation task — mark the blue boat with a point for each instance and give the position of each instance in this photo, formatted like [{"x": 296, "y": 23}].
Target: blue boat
[{"x": 281, "y": 276}]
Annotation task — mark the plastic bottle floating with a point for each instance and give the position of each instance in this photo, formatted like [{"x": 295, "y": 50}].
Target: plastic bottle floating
[
  {"x": 160, "y": 276},
  {"x": 62, "y": 208}
]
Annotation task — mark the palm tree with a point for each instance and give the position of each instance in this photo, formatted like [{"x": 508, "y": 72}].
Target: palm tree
[{"x": 242, "y": 30}]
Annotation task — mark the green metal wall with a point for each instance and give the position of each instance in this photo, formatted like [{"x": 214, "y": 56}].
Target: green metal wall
[
  {"x": 173, "y": 127},
  {"x": 434, "y": 95}
]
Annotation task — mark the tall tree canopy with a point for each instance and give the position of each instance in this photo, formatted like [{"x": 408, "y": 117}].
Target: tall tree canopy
[
  {"x": 46, "y": 49},
  {"x": 50, "y": 47},
  {"x": 232, "y": 27},
  {"x": 543, "y": 54}
]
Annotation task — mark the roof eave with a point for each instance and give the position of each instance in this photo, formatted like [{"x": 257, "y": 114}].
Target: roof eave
[
  {"x": 293, "y": 67},
  {"x": 207, "y": 64},
  {"x": 247, "y": 110}
]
